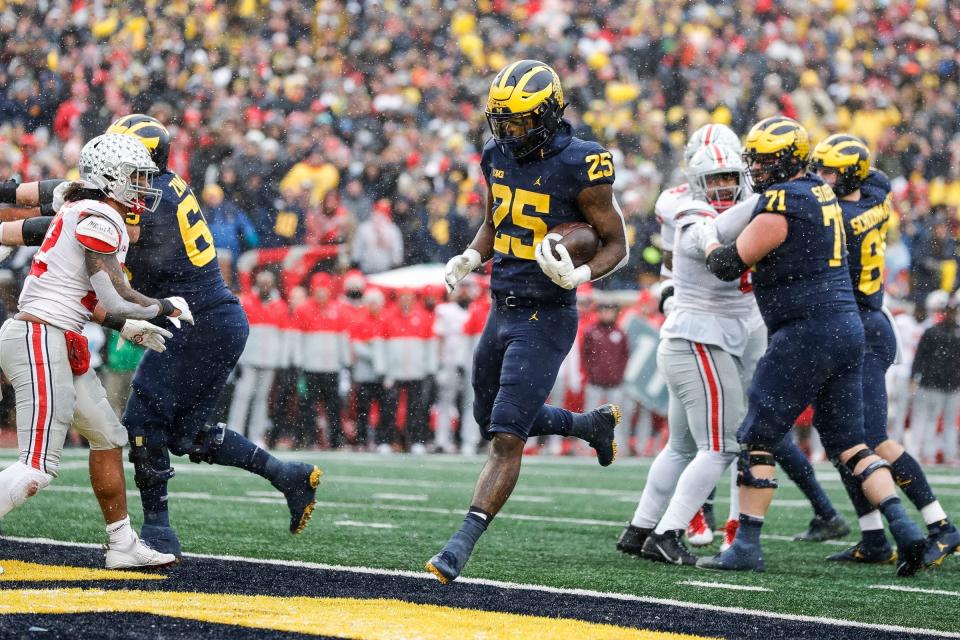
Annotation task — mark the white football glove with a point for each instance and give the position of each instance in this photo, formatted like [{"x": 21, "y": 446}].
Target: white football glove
[
  {"x": 58, "y": 192},
  {"x": 704, "y": 234},
  {"x": 561, "y": 271},
  {"x": 145, "y": 334},
  {"x": 459, "y": 266},
  {"x": 185, "y": 314}
]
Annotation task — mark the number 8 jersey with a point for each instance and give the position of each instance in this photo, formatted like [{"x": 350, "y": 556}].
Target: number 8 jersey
[
  {"x": 175, "y": 255},
  {"x": 532, "y": 197},
  {"x": 866, "y": 222}
]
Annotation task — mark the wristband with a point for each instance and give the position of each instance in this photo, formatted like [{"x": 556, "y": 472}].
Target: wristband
[{"x": 8, "y": 191}]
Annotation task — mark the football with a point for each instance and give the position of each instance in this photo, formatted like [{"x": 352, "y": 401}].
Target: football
[{"x": 578, "y": 238}]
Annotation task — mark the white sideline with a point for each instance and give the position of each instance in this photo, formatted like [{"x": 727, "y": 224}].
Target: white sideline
[
  {"x": 722, "y": 585},
  {"x": 626, "y": 597},
  {"x": 365, "y": 525}
]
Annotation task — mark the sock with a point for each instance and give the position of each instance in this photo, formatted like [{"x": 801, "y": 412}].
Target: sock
[
  {"x": 121, "y": 534},
  {"x": 789, "y": 456},
  {"x": 734, "y": 511},
  {"x": 904, "y": 529},
  {"x": 749, "y": 530},
  {"x": 661, "y": 481},
  {"x": 854, "y": 489},
  {"x": 474, "y": 524},
  {"x": 708, "y": 505},
  {"x": 237, "y": 451},
  {"x": 554, "y": 421},
  {"x": 935, "y": 517},
  {"x": 871, "y": 528},
  {"x": 703, "y": 472},
  {"x": 913, "y": 481}
]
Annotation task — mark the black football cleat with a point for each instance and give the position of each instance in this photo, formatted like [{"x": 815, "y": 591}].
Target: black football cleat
[
  {"x": 161, "y": 539},
  {"x": 863, "y": 554},
  {"x": 911, "y": 557},
  {"x": 948, "y": 535},
  {"x": 604, "y": 419},
  {"x": 821, "y": 530},
  {"x": 445, "y": 566},
  {"x": 298, "y": 482},
  {"x": 668, "y": 547},
  {"x": 631, "y": 540},
  {"x": 936, "y": 551},
  {"x": 739, "y": 557}
]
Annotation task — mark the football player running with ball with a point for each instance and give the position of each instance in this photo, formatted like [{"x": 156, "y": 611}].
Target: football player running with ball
[
  {"x": 538, "y": 176},
  {"x": 843, "y": 162},
  {"x": 801, "y": 281}
]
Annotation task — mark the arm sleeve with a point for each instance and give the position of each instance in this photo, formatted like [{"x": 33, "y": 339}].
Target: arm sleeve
[
  {"x": 115, "y": 304},
  {"x": 734, "y": 220},
  {"x": 726, "y": 263},
  {"x": 34, "y": 230}
]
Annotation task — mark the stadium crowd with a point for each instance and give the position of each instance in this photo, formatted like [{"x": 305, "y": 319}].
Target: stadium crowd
[{"x": 358, "y": 125}]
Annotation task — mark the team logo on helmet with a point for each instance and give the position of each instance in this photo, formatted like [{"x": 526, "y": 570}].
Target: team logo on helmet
[
  {"x": 775, "y": 150},
  {"x": 150, "y": 132}
]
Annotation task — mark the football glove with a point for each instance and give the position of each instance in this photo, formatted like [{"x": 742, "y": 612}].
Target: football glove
[
  {"x": 58, "y": 193},
  {"x": 459, "y": 266},
  {"x": 185, "y": 313},
  {"x": 560, "y": 270},
  {"x": 145, "y": 334},
  {"x": 704, "y": 234}
]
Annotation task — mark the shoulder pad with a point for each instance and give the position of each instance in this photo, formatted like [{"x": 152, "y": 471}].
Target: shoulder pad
[
  {"x": 99, "y": 234},
  {"x": 692, "y": 210},
  {"x": 666, "y": 206}
]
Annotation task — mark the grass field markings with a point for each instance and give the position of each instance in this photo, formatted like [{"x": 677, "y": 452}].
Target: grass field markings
[
  {"x": 589, "y": 593},
  {"x": 836, "y": 543},
  {"x": 534, "y": 499},
  {"x": 722, "y": 585},
  {"x": 895, "y": 587},
  {"x": 365, "y": 525},
  {"x": 402, "y": 497}
]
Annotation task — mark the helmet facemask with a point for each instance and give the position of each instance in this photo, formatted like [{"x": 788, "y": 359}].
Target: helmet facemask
[
  {"x": 131, "y": 187},
  {"x": 521, "y": 134},
  {"x": 720, "y": 195},
  {"x": 773, "y": 167}
]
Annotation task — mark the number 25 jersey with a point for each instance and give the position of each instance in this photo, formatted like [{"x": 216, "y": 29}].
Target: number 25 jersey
[
  {"x": 531, "y": 197},
  {"x": 175, "y": 255},
  {"x": 807, "y": 275}
]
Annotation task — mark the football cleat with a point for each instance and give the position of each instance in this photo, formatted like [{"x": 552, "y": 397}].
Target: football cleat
[
  {"x": 699, "y": 534},
  {"x": 739, "y": 557},
  {"x": 821, "y": 530},
  {"x": 298, "y": 482},
  {"x": 935, "y": 551},
  {"x": 668, "y": 547},
  {"x": 631, "y": 540},
  {"x": 604, "y": 419},
  {"x": 445, "y": 566},
  {"x": 729, "y": 533},
  {"x": 138, "y": 556},
  {"x": 865, "y": 555},
  {"x": 912, "y": 557},
  {"x": 948, "y": 535},
  {"x": 162, "y": 539}
]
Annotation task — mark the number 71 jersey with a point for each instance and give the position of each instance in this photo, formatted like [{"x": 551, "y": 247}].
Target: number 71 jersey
[
  {"x": 175, "y": 255},
  {"x": 531, "y": 197}
]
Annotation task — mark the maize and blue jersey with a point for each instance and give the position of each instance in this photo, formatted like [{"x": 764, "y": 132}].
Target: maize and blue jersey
[
  {"x": 807, "y": 275},
  {"x": 532, "y": 197},
  {"x": 175, "y": 255},
  {"x": 866, "y": 222}
]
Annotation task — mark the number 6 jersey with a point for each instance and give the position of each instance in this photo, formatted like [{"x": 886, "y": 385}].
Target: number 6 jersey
[
  {"x": 175, "y": 255},
  {"x": 533, "y": 196}
]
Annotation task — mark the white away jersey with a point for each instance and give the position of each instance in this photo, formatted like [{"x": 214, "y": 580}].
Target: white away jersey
[
  {"x": 668, "y": 205},
  {"x": 707, "y": 309},
  {"x": 58, "y": 289}
]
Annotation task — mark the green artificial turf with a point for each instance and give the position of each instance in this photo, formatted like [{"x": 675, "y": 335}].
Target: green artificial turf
[{"x": 230, "y": 512}]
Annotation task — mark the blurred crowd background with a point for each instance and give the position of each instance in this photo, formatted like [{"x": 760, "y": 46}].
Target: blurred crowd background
[{"x": 353, "y": 128}]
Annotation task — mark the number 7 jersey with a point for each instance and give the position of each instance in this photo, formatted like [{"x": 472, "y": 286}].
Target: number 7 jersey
[
  {"x": 531, "y": 197},
  {"x": 175, "y": 255}
]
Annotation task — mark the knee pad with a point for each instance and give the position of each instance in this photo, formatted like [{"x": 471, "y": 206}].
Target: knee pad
[
  {"x": 18, "y": 483},
  {"x": 747, "y": 459},
  {"x": 874, "y": 466},
  {"x": 151, "y": 461},
  {"x": 205, "y": 443}
]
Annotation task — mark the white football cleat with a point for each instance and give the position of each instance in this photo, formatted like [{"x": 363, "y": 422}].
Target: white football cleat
[
  {"x": 698, "y": 533},
  {"x": 139, "y": 555}
]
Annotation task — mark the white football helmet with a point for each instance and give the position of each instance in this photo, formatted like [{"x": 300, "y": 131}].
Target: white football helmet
[
  {"x": 719, "y": 134},
  {"x": 712, "y": 160},
  {"x": 121, "y": 167}
]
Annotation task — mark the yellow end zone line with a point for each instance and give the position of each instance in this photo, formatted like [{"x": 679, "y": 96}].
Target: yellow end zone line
[
  {"x": 589, "y": 593},
  {"x": 383, "y": 619}
]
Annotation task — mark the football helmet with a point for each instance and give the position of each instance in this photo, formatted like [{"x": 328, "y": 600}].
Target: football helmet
[
  {"x": 150, "y": 132},
  {"x": 710, "y": 161},
  {"x": 524, "y": 107},
  {"x": 121, "y": 167},
  {"x": 848, "y": 156},
  {"x": 779, "y": 147},
  {"x": 719, "y": 134}
]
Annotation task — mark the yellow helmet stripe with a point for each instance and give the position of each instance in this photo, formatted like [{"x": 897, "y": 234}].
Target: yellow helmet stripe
[
  {"x": 529, "y": 76},
  {"x": 505, "y": 74}
]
